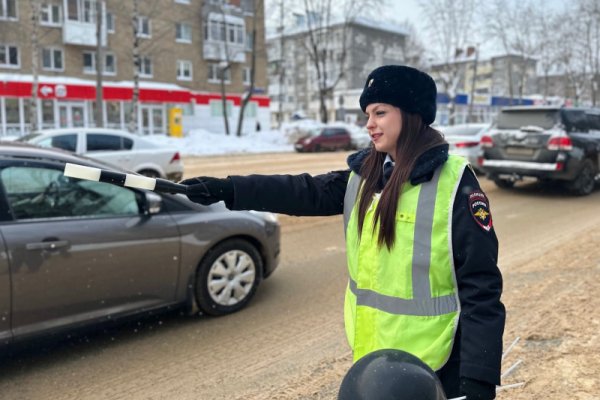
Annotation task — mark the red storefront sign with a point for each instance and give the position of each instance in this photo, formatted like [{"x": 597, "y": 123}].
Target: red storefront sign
[{"x": 114, "y": 93}]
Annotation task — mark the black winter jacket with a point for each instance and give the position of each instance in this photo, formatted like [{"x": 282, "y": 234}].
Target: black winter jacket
[{"x": 478, "y": 344}]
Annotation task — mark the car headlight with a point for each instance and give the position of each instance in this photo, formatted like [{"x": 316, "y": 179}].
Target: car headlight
[{"x": 267, "y": 216}]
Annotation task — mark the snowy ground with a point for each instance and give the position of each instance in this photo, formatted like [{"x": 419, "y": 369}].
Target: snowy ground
[{"x": 200, "y": 142}]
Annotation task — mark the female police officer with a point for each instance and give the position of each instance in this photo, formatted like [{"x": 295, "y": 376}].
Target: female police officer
[{"x": 421, "y": 249}]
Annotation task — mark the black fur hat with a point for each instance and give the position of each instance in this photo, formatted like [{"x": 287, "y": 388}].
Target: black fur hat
[{"x": 405, "y": 87}]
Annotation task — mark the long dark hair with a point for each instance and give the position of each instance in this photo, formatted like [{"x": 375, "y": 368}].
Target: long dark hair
[{"x": 415, "y": 139}]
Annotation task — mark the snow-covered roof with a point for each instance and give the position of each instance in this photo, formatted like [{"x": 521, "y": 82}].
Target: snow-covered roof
[
  {"x": 362, "y": 21},
  {"x": 64, "y": 80}
]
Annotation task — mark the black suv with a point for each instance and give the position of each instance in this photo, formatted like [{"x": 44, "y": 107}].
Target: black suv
[{"x": 548, "y": 143}]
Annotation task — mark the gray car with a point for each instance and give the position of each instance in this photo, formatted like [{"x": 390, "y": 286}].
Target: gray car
[{"x": 75, "y": 252}]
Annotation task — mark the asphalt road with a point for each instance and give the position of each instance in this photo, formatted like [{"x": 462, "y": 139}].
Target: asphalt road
[{"x": 289, "y": 343}]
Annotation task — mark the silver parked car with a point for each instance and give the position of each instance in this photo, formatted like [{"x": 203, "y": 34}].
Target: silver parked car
[
  {"x": 75, "y": 252},
  {"x": 127, "y": 151},
  {"x": 464, "y": 141}
]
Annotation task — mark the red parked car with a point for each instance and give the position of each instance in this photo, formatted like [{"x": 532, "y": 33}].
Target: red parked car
[{"x": 323, "y": 139}]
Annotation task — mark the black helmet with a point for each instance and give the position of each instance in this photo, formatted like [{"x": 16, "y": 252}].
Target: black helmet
[{"x": 391, "y": 375}]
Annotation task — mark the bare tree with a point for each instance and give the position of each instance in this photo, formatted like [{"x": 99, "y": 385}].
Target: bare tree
[
  {"x": 545, "y": 28},
  {"x": 498, "y": 19},
  {"x": 133, "y": 122},
  {"x": 99, "y": 112},
  {"x": 327, "y": 23},
  {"x": 451, "y": 25},
  {"x": 588, "y": 12},
  {"x": 258, "y": 13}
]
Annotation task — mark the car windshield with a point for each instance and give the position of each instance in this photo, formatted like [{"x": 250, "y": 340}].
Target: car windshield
[
  {"x": 515, "y": 119},
  {"x": 461, "y": 130}
]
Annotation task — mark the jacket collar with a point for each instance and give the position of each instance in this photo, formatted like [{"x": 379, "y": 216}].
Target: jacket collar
[{"x": 424, "y": 167}]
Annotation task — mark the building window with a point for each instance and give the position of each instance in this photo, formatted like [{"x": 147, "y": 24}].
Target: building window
[
  {"x": 214, "y": 75},
  {"x": 110, "y": 22},
  {"x": 183, "y": 33},
  {"x": 249, "y": 43},
  {"x": 216, "y": 108},
  {"x": 52, "y": 59},
  {"x": 81, "y": 11},
  {"x": 145, "y": 67},
  {"x": 50, "y": 15},
  {"x": 246, "y": 75},
  {"x": 89, "y": 63},
  {"x": 250, "y": 110},
  {"x": 184, "y": 70},
  {"x": 144, "y": 28},
  {"x": 8, "y": 9},
  {"x": 9, "y": 56}
]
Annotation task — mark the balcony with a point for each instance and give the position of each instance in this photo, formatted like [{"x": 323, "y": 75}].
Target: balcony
[
  {"x": 215, "y": 51},
  {"x": 79, "y": 27}
]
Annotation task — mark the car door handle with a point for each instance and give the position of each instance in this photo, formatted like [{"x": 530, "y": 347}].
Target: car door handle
[{"x": 48, "y": 245}]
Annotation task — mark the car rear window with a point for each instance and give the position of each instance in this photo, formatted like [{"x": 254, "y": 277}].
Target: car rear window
[
  {"x": 515, "y": 119},
  {"x": 102, "y": 142}
]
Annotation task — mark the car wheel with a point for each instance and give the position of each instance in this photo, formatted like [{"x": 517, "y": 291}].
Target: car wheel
[
  {"x": 317, "y": 148},
  {"x": 228, "y": 277},
  {"x": 150, "y": 173},
  {"x": 504, "y": 183},
  {"x": 585, "y": 182}
]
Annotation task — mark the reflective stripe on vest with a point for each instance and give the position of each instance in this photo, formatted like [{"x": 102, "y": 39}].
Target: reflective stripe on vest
[{"x": 393, "y": 292}]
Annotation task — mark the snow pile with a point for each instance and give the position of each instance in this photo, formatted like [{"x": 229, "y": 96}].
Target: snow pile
[{"x": 201, "y": 142}]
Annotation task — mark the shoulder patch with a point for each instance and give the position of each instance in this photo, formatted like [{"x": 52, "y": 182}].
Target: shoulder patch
[{"x": 479, "y": 206}]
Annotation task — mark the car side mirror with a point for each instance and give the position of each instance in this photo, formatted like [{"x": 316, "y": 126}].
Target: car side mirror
[{"x": 153, "y": 203}]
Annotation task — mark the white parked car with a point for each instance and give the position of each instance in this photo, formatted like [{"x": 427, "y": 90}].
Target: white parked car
[
  {"x": 130, "y": 152},
  {"x": 464, "y": 140}
]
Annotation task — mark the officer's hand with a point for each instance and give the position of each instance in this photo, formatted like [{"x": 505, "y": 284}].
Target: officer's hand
[
  {"x": 477, "y": 390},
  {"x": 206, "y": 190}
]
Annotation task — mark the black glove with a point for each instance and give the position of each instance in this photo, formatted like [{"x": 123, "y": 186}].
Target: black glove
[
  {"x": 206, "y": 190},
  {"x": 477, "y": 390}
]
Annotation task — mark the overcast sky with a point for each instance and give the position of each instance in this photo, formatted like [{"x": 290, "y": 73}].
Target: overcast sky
[{"x": 409, "y": 10}]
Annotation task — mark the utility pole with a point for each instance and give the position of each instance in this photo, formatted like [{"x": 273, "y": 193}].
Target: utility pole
[{"x": 99, "y": 114}]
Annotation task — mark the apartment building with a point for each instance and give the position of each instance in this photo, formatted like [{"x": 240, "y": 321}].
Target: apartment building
[
  {"x": 487, "y": 81},
  {"x": 184, "y": 48},
  {"x": 293, "y": 77}
]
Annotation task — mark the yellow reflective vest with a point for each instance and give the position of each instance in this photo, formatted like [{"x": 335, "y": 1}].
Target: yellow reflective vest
[{"x": 405, "y": 298}]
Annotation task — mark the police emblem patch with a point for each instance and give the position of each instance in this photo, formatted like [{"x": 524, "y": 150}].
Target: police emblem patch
[{"x": 480, "y": 210}]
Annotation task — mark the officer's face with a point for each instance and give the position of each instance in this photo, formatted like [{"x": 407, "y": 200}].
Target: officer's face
[{"x": 384, "y": 122}]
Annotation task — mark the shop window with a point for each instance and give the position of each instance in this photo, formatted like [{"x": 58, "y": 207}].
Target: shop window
[
  {"x": 216, "y": 108},
  {"x": 250, "y": 110},
  {"x": 113, "y": 114},
  {"x": 47, "y": 114}
]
